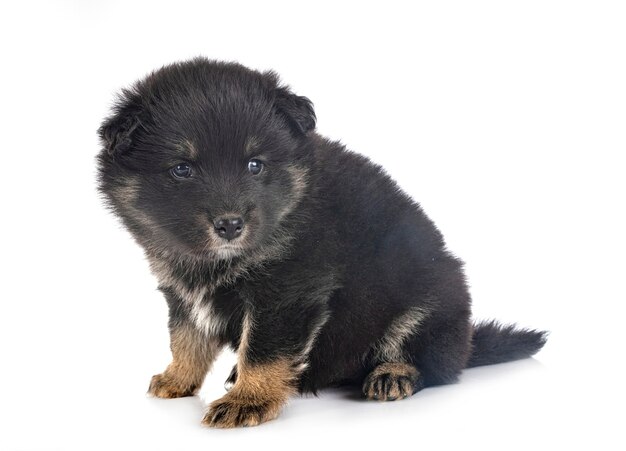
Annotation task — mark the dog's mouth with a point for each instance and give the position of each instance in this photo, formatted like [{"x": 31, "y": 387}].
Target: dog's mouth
[{"x": 228, "y": 251}]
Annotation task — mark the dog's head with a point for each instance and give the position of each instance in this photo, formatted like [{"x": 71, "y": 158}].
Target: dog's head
[{"x": 206, "y": 158}]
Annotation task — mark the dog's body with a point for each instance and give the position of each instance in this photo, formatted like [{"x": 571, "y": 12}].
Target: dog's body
[{"x": 304, "y": 257}]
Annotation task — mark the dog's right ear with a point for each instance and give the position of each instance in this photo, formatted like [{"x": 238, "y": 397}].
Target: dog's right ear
[{"x": 116, "y": 132}]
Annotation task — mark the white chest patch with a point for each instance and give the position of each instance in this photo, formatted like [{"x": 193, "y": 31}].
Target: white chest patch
[
  {"x": 203, "y": 314},
  {"x": 198, "y": 300}
]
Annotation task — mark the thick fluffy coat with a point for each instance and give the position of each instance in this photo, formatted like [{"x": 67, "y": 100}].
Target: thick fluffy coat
[{"x": 304, "y": 257}]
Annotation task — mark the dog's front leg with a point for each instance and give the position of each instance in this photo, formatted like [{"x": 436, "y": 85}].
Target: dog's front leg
[
  {"x": 193, "y": 354},
  {"x": 271, "y": 352}
]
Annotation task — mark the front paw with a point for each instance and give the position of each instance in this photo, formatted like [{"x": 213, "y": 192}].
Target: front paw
[
  {"x": 231, "y": 412},
  {"x": 165, "y": 386}
]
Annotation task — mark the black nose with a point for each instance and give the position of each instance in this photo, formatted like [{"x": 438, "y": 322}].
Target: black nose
[{"x": 229, "y": 228}]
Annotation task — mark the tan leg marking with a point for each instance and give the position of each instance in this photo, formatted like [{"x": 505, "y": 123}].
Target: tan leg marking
[
  {"x": 391, "y": 381},
  {"x": 193, "y": 354},
  {"x": 257, "y": 396}
]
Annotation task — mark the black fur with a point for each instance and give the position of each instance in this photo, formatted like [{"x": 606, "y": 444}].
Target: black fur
[
  {"x": 495, "y": 343},
  {"x": 335, "y": 262}
]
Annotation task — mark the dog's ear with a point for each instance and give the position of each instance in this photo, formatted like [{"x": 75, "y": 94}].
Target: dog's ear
[
  {"x": 116, "y": 132},
  {"x": 298, "y": 110}
]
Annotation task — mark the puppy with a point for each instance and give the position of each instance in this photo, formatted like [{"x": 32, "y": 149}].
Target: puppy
[{"x": 305, "y": 258}]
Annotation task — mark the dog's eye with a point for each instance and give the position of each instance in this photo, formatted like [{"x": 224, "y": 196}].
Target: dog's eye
[
  {"x": 255, "y": 166},
  {"x": 181, "y": 171}
]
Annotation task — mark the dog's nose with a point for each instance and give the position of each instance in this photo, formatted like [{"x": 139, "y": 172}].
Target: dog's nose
[{"x": 229, "y": 228}]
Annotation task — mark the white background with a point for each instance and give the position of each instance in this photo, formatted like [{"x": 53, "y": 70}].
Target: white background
[{"x": 506, "y": 120}]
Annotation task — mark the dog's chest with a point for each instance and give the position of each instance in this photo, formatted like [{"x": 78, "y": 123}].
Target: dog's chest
[
  {"x": 196, "y": 296},
  {"x": 206, "y": 296},
  {"x": 200, "y": 305}
]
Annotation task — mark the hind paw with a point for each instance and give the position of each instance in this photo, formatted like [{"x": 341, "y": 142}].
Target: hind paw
[{"x": 391, "y": 381}]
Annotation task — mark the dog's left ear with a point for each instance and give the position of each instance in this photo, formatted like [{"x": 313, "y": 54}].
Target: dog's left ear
[{"x": 298, "y": 110}]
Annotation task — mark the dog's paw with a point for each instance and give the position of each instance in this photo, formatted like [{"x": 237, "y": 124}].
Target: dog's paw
[
  {"x": 165, "y": 386},
  {"x": 391, "y": 381},
  {"x": 231, "y": 412}
]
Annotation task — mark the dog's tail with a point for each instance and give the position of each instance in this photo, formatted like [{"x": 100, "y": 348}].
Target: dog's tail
[{"x": 495, "y": 343}]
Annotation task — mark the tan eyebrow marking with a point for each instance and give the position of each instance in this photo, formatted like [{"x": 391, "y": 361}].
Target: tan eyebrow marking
[
  {"x": 188, "y": 148},
  {"x": 251, "y": 144}
]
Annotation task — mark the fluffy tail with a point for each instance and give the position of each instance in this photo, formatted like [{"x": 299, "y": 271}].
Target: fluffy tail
[{"x": 495, "y": 343}]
